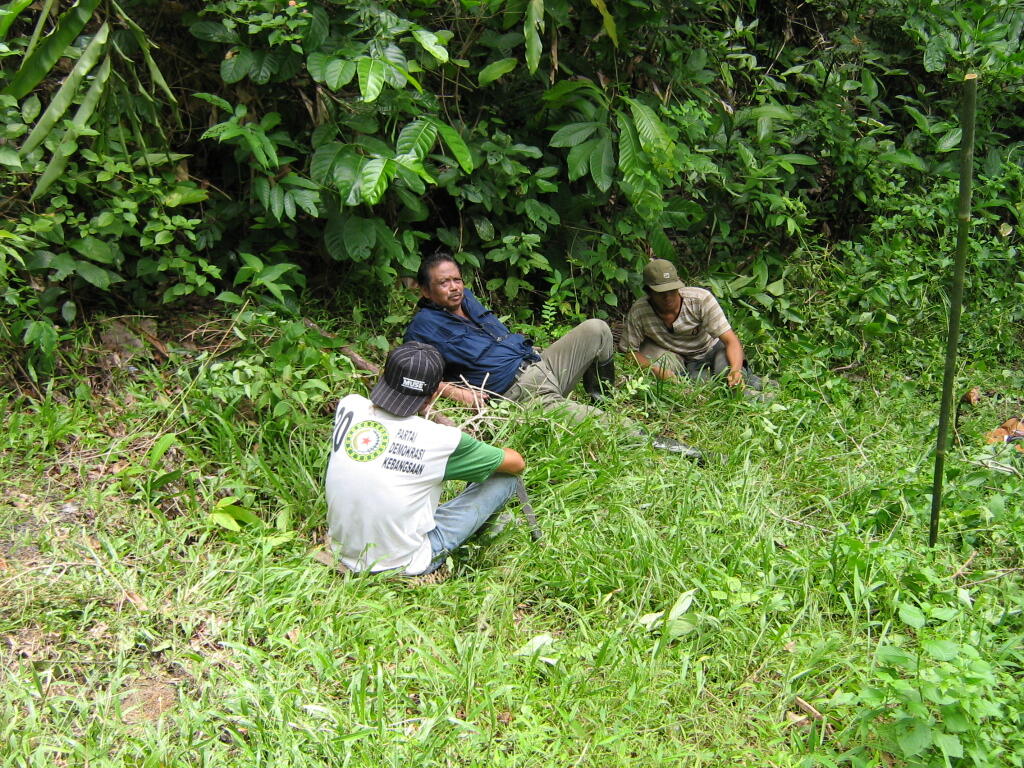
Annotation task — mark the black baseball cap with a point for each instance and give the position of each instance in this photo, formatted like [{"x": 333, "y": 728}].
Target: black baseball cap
[{"x": 411, "y": 375}]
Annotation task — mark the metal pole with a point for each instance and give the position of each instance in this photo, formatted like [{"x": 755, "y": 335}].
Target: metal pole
[{"x": 963, "y": 216}]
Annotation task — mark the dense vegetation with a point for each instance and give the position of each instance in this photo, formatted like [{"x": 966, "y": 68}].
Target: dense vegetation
[{"x": 214, "y": 172}]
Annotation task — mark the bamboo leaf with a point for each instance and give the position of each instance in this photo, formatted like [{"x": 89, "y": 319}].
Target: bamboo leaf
[
  {"x": 607, "y": 21},
  {"x": 39, "y": 63},
  {"x": 496, "y": 70},
  {"x": 430, "y": 43},
  {"x": 455, "y": 144},
  {"x": 66, "y": 93},
  {"x": 417, "y": 138},
  {"x": 10, "y": 15},
  {"x": 146, "y": 46},
  {"x": 532, "y": 27},
  {"x": 572, "y": 134},
  {"x": 371, "y": 78}
]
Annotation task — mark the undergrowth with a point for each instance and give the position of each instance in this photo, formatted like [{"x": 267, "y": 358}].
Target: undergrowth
[{"x": 777, "y": 607}]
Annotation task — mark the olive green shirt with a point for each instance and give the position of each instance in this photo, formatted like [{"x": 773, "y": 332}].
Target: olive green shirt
[{"x": 698, "y": 326}]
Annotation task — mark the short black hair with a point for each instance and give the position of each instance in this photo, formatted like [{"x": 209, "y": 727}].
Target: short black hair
[{"x": 428, "y": 263}]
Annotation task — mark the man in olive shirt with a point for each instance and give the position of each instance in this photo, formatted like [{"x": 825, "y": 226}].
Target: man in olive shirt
[{"x": 677, "y": 329}]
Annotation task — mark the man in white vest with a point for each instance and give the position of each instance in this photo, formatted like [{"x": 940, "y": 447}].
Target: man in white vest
[{"x": 387, "y": 467}]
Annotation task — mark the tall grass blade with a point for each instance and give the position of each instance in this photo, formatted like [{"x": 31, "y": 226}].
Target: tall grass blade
[
  {"x": 66, "y": 94},
  {"x": 39, "y": 63},
  {"x": 85, "y": 111},
  {"x": 10, "y": 15},
  {"x": 963, "y": 216}
]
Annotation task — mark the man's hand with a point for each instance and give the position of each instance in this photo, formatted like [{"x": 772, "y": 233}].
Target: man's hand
[{"x": 735, "y": 378}]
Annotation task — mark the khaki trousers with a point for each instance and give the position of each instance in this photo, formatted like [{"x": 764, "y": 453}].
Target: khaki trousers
[{"x": 562, "y": 365}]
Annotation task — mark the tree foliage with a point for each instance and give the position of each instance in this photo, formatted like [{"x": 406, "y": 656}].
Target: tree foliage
[{"x": 551, "y": 145}]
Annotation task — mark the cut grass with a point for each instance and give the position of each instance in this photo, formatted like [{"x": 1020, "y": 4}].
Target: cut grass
[{"x": 137, "y": 631}]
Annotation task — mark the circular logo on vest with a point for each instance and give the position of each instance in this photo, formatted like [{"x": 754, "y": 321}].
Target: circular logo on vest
[{"x": 366, "y": 441}]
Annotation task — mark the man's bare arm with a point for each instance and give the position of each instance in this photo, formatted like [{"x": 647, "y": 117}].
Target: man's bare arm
[
  {"x": 512, "y": 464},
  {"x": 474, "y": 398},
  {"x": 734, "y": 354},
  {"x": 644, "y": 362}
]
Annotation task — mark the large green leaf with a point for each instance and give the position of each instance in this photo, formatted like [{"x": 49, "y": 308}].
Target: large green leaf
[
  {"x": 602, "y": 163},
  {"x": 630, "y": 151},
  {"x": 360, "y": 237},
  {"x": 772, "y": 112},
  {"x": 338, "y": 73},
  {"x": 532, "y": 27},
  {"x": 236, "y": 65},
  {"x": 417, "y": 138},
  {"x": 348, "y": 178},
  {"x": 101, "y": 278},
  {"x": 495, "y": 70},
  {"x": 455, "y": 144},
  {"x": 375, "y": 176},
  {"x": 214, "y": 32},
  {"x": 572, "y": 134},
  {"x": 579, "y": 159},
  {"x": 904, "y": 157},
  {"x": 65, "y": 94},
  {"x": 430, "y": 43},
  {"x": 39, "y": 64},
  {"x": 371, "y": 78},
  {"x": 653, "y": 136},
  {"x": 321, "y": 166}
]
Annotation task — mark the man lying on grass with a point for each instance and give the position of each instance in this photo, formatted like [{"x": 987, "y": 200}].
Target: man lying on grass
[
  {"x": 484, "y": 359},
  {"x": 679, "y": 330},
  {"x": 387, "y": 466}
]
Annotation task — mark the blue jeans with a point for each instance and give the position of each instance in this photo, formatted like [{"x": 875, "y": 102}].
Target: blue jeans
[{"x": 456, "y": 520}]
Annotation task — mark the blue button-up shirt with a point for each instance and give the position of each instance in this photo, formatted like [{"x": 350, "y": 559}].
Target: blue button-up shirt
[{"x": 479, "y": 350}]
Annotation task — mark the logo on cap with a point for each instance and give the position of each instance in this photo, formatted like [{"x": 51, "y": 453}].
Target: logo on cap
[
  {"x": 416, "y": 384},
  {"x": 666, "y": 275}
]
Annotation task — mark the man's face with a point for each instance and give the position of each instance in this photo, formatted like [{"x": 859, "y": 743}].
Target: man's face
[
  {"x": 445, "y": 288},
  {"x": 663, "y": 301}
]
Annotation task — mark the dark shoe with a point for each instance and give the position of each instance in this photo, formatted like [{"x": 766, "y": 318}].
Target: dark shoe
[
  {"x": 672, "y": 445},
  {"x": 599, "y": 379}
]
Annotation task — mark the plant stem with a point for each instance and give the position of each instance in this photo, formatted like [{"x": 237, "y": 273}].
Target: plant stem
[{"x": 956, "y": 302}]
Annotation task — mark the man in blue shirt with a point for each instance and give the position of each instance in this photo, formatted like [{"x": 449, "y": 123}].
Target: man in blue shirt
[{"x": 483, "y": 359}]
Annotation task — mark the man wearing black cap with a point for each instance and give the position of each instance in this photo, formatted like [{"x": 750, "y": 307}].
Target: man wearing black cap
[
  {"x": 677, "y": 329},
  {"x": 387, "y": 466}
]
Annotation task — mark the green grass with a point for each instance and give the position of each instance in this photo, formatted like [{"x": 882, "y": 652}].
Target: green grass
[{"x": 137, "y": 631}]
